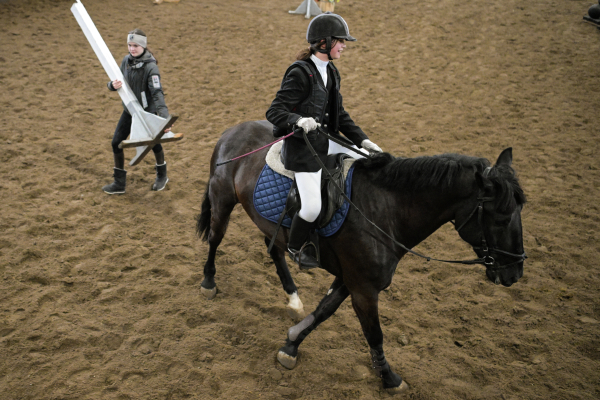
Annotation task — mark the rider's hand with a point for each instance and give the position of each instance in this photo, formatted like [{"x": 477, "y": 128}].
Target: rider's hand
[
  {"x": 307, "y": 124},
  {"x": 116, "y": 84},
  {"x": 370, "y": 146}
]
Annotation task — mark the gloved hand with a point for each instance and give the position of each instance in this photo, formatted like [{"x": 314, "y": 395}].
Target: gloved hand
[
  {"x": 370, "y": 146},
  {"x": 308, "y": 124}
]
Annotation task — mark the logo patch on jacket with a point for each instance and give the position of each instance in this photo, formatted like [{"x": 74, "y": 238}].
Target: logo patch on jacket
[{"x": 156, "y": 81}]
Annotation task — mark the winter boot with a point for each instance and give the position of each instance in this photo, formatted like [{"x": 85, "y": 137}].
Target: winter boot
[
  {"x": 118, "y": 186},
  {"x": 161, "y": 177},
  {"x": 298, "y": 249}
]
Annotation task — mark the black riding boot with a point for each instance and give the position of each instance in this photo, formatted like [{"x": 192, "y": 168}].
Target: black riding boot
[
  {"x": 161, "y": 172},
  {"x": 118, "y": 186},
  {"x": 161, "y": 177},
  {"x": 299, "y": 233}
]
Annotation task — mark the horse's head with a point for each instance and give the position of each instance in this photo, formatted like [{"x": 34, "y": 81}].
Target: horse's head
[{"x": 491, "y": 223}]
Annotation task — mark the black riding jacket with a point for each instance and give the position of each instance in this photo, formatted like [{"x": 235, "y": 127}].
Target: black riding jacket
[
  {"x": 143, "y": 77},
  {"x": 303, "y": 94}
]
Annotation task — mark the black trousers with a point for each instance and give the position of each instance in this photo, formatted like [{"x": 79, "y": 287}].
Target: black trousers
[{"x": 123, "y": 130}]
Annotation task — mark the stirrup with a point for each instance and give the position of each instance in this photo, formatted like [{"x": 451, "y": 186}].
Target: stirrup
[{"x": 304, "y": 260}]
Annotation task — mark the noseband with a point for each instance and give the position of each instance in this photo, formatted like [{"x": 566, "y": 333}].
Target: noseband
[{"x": 487, "y": 258}]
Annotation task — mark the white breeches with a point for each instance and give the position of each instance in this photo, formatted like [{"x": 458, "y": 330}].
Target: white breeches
[{"x": 309, "y": 185}]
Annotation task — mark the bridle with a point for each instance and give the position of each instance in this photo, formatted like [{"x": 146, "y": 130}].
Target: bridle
[{"x": 487, "y": 250}]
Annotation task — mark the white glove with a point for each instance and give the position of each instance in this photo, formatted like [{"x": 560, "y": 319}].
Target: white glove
[
  {"x": 370, "y": 146},
  {"x": 308, "y": 124}
]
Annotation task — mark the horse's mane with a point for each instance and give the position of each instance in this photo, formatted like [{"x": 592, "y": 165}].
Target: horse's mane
[
  {"x": 441, "y": 172},
  {"x": 414, "y": 174}
]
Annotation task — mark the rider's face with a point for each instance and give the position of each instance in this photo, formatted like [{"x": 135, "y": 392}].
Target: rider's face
[{"x": 336, "y": 51}]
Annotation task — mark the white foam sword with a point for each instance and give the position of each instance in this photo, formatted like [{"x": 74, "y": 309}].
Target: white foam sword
[{"x": 146, "y": 129}]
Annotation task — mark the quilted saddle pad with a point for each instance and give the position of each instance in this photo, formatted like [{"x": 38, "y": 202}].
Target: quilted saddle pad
[{"x": 270, "y": 195}]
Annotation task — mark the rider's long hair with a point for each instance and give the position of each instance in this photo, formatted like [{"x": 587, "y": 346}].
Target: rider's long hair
[{"x": 306, "y": 52}]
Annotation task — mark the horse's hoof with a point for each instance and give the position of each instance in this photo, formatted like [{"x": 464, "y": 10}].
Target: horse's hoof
[
  {"x": 286, "y": 360},
  {"x": 209, "y": 293},
  {"x": 398, "y": 389},
  {"x": 295, "y": 314}
]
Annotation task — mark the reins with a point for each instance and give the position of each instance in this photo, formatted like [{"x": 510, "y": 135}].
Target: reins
[
  {"x": 487, "y": 260},
  {"x": 254, "y": 151}
]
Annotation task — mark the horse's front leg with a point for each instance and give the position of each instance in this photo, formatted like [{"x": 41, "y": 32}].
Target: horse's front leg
[
  {"x": 366, "y": 308},
  {"x": 336, "y": 295},
  {"x": 295, "y": 308}
]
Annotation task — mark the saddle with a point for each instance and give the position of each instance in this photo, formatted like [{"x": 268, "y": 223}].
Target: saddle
[{"x": 339, "y": 166}]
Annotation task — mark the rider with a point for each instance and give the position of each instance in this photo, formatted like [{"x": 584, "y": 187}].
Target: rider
[
  {"x": 309, "y": 98},
  {"x": 141, "y": 73}
]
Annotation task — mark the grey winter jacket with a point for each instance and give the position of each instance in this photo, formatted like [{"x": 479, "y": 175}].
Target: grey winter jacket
[{"x": 143, "y": 77}]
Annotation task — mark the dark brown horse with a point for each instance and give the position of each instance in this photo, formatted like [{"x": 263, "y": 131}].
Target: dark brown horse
[{"x": 408, "y": 198}]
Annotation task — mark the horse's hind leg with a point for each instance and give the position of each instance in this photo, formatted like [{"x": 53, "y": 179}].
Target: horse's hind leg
[
  {"x": 366, "y": 308},
  {"x": 338, "y": 292},
  {"x": 216, "y": 209},
  {"x": 295, "y": 308}
]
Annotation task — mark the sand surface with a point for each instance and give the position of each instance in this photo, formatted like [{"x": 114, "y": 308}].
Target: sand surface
[{"x": 100, "y": 295}]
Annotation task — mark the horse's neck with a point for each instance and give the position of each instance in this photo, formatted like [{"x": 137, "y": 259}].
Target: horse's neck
[{"x": 421, "y": 213}]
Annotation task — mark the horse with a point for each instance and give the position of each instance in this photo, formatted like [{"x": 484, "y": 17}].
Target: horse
[{"x": 397, "y": 203}]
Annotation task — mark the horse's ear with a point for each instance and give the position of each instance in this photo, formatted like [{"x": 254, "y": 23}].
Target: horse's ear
[{"x": 505, "y": 158}]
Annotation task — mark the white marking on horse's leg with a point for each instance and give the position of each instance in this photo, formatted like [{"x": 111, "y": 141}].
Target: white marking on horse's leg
[
  {"x": 286, "y": 360},
  {"x": 295, "y": 308},
  {"x": 296, "y": 330},
  {"x": 209, "y": 293}
]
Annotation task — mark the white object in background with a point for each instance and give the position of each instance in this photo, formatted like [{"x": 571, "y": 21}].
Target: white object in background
[
  {"x": 308, "y": 8},
  {"x": 146, "y": 129}
]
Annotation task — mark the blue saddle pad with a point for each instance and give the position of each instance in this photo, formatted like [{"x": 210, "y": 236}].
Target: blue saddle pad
[{"x": 270, "y": 195}]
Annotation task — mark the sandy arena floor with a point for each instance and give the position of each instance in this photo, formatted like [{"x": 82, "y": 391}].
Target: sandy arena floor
[{"x": 99, "y": 295}]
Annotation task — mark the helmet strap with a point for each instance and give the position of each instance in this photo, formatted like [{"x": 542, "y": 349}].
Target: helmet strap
[{"x": 327, "y": 49}]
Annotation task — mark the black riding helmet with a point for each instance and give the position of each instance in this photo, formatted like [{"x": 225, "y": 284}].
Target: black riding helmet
[{"x": 327, "y": 26}]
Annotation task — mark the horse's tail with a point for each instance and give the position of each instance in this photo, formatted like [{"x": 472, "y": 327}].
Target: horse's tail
[{"x": 203, "y": 219}]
